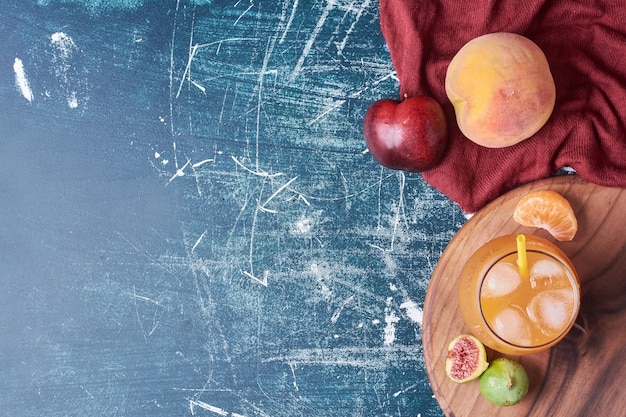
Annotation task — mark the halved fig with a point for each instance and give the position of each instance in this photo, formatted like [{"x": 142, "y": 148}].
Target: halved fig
[{"x": 466, "y": 360}]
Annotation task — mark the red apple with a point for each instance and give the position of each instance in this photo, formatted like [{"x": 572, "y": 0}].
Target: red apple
[{"x": 409, "y": 134}]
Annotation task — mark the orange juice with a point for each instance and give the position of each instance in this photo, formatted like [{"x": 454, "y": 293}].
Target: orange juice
[{"x": 513, "y": 314}]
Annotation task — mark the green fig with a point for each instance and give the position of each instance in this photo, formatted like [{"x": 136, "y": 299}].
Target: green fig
[{"x": 505, "y": 382}]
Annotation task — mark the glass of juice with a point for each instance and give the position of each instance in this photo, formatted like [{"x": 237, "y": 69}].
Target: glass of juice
[{"x": 519, "y": 313}]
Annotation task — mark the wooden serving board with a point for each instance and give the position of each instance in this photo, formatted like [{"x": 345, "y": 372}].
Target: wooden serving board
[{"x": 584, "y": 374}]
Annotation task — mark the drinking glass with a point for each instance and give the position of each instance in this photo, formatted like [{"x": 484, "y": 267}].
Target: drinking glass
[{"x": 519, "y": 312}]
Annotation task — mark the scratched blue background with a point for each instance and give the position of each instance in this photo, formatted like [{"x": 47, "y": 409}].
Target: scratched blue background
[{"x": 190, "y": 222}]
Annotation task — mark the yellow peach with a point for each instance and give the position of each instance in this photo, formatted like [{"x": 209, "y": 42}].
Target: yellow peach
[{"x": 501, "y": 88}]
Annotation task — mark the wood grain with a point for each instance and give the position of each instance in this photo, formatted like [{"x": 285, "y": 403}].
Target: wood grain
[{"x": 581, "y": 376}]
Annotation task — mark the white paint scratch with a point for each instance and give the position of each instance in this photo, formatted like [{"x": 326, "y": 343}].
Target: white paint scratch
[
  {"x": 221, "y": 41},
  {"x": 199, "y": 86},
  {"x": 335, "y": 105},
  {"x": 180, "y": 172},
  {"x": 198, "y": 241},
  {"x": 171, "y": 73},
  {"x": 21, "y": 81},
  {"x": 290, "y": 21},
  {"x": 244, "y": 13},
  {"x": 281, "y": 188},
  {"x": 359, "y": 357},
  {"x": 359, "y": 12},
  {"x": 87, "y": 392},
  {"x": 355, "y": 94},
  {"x": 309, "y": 43},
  {"x": 135, "y": 296},
  {"x": 143, "y": 298},
  {"x": 186, "y": 74},
  {"x": 339, "y": 310},
  {"x": 262, "y": 281},
  {"x": 293, "y": 374},
  {"x": 193, "y": 50},
  {"x": 398, "y": 215},
  {"x": 257, "y": 172},
  {"x": 266, "y": 59},
  {"x": 407, "y": 389},
  {"x": 204, "y": 161},
  {"x": 207, "y": 407}
]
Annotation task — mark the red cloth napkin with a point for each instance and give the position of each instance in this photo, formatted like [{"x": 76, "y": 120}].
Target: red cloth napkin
[{"x": 585, "y": 44}]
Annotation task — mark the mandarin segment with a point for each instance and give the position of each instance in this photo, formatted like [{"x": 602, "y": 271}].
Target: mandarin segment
[{"x": 549, "y": 210}]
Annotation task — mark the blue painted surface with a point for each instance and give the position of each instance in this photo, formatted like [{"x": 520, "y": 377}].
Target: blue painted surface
[{"x": 190, "y": 223}]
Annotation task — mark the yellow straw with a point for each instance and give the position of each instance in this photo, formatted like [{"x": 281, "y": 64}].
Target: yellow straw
[{"x": 522, "y": 262}]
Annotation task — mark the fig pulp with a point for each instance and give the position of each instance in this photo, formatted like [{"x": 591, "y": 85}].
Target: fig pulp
[
  {"x": 505, "y": 382},
  {"x": 466, "y": 359}
]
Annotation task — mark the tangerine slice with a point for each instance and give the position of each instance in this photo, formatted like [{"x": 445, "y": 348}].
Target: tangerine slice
[{"x": 549, "y": 210}]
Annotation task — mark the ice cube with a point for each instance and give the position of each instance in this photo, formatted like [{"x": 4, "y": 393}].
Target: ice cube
[
  {"x": 512, "y": 325},
  {"x": 544, "y": 272},
  {"x": 502, "y": 279},
  {"x": 551, "y": 310}
]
